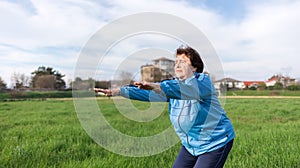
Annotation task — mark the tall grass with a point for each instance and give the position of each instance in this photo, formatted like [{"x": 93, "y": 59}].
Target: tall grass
[
  {"x": 48, "y": 134},
  {"x": 267, "y": 132}
]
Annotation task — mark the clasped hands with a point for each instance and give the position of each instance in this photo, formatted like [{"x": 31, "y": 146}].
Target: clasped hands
[{"x": 141, "y": 85}]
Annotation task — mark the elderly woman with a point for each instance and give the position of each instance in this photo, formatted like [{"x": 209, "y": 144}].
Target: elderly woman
[{"x": 199, "y": 120}]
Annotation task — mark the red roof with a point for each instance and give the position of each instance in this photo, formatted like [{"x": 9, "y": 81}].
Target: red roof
[
  {"x": 249, "y": 83},
  {"x": 272, "y": 79}
]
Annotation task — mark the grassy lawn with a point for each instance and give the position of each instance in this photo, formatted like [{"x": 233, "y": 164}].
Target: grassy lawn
[
  {"x": 262, "y": 93},
  {"x": 49, "y": 134}
]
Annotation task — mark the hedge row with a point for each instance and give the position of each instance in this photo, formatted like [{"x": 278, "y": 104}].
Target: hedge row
[{"x": 15, "y": 95}]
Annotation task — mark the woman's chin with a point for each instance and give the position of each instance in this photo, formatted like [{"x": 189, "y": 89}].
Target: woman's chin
[{"x": 180, "y": 77}]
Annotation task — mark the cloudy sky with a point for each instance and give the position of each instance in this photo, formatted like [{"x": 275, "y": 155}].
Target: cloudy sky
[{"x": 254, "y": 39}]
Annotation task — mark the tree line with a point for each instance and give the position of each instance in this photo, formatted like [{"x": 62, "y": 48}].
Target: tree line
[
  {"x": 42, "y": 78},
  {"x": 46, "y": 78}
]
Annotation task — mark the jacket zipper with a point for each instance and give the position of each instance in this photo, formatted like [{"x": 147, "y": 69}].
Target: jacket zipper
[{"x": 187, "y": 137}]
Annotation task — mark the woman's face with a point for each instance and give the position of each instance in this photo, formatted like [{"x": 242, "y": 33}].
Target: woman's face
[{"x": 183, "y": 67}]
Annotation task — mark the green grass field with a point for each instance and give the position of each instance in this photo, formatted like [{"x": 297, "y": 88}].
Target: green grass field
[
  {"x": 263, "y": 93},
  {"x": 48, "y": 134}
]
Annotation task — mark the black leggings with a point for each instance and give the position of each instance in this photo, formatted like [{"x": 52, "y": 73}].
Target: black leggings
[{"x": 213, "y": 159}]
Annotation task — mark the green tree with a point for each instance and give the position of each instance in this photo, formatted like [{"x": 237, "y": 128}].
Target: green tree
[
  {"x": 278, "y": 86},
  {"x": 293, "y": 87},
  {"x": 262, "y": 86},
  {"x": 45, "y": 75}
]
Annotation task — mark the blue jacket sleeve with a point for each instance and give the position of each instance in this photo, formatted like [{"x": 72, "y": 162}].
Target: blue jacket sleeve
[
  {"x": 192, "y": 88},
  {"x": 132, "y": 92}
]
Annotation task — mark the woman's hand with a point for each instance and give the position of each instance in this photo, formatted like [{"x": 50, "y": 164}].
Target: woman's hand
[
  {"x": 148, "y": 86},
  {"x": 108, "y": 92}
]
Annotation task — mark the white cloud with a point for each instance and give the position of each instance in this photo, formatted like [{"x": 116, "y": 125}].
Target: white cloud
[
  {"x": 45, "y": 32},
  {"x": 261, "y": 44},
  {"x": 272, "y": 35}
]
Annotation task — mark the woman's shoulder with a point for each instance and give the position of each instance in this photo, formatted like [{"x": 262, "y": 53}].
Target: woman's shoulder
[{"x": 201, "y": 76}]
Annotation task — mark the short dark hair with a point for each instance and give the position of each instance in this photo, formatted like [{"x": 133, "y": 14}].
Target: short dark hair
[{"x": 194, "y": 57}]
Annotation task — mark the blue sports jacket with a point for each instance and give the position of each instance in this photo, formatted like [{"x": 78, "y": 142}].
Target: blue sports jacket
[{"x": 194, "y": 109}]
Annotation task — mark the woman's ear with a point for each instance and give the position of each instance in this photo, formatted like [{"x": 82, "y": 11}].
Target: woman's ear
[{"x": 194, "y": 69}]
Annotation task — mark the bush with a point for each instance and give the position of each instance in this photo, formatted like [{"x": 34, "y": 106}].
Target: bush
[
  {"x": 293, "y": 87},
  {"x": 278, "y": 86},
  {"x": 252, "y": 88},
  {"x": 34, "y": 95},
  {"x": 17, "y": 94}
]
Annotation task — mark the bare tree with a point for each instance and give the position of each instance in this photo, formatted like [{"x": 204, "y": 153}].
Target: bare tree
[
  {"x": 19, "y": 80},
  {"x": 125, "y": 77},
  {"x": 2, "y": 84}
]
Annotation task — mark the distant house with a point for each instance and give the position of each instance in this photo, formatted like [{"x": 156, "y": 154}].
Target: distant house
[
  {"x": 271, "y": 81},
  {"x": 249, "y": 84},
  {"x": 160, "y": 69},
  {"x": 284, "y": 80},
  {"x": 297, "y": 81},
  {"x": 150, "y": 73},
  {"x": 166, "y": 66},
  {"x": 228, "y": 83}
]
